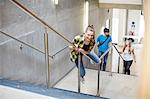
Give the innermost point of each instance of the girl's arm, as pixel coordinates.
(74, 42)
(78, 49)
(83, 51)
(134, 55)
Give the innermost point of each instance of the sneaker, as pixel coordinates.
(82, 80)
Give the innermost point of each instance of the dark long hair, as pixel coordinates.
(129, 47)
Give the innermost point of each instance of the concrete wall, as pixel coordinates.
(0, 16)
(66, 18)
(118, 25)
(94, 14)
(1, 5)
(27, 64)
(122, 26)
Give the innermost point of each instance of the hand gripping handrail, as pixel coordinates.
(6, 34)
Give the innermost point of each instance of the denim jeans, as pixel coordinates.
(93, 56)
(127, 65)
(104, 61)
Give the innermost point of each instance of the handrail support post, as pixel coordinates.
(47, 59)
(79, 66)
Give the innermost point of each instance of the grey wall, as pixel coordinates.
(27, 64)
(0, 16)
(94, 15)
(1, 6)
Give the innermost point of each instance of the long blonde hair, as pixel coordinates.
(90, 28)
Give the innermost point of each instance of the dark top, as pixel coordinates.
(86, 47)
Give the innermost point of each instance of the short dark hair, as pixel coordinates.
(106, 30)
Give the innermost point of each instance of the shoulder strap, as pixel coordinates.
(102, 42)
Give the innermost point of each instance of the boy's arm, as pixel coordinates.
(110, 42)
(98, 41)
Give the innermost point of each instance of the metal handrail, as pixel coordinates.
(46, 47)
(52, 56)
(98, 81)
(118, 57)
(33, 15)
(59, 51)
(117, 50)
(6, 34)
(105, 52)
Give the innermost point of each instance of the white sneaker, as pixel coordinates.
(82, 80)
(91, 61)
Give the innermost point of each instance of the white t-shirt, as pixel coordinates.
(127, 56)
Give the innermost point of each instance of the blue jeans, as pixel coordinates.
(104, 61)
(93, 56)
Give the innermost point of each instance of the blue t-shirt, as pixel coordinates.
(105, 46)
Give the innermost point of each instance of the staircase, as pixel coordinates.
(53, 93)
